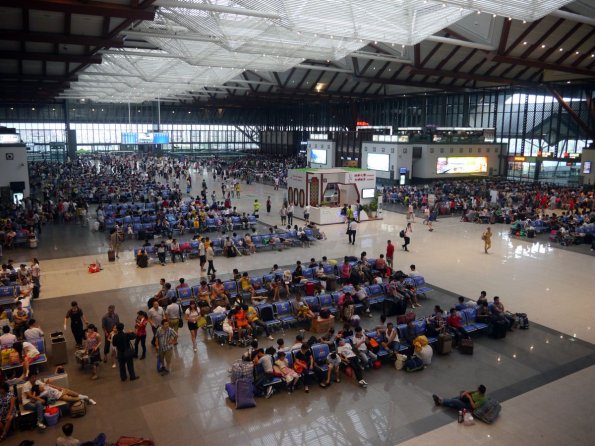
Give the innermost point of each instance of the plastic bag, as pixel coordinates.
(468, 419)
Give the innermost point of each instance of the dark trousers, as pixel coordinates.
(126, 364)
(140, 340)
(211, 268)
(174, 254)
(357, 368)
(161, 256)
(407, 241)
(290, 218)
(352, 236)
(106, 347)
(154, 329)
(261, 324)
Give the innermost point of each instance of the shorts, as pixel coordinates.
(202, 259)
(192, 325)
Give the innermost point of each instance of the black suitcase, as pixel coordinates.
(499, 329)
(466, 346)
(111, 255)
(394, 306)
(143, 261)
(444, 346)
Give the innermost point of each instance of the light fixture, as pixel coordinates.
(561, 49)
(567, 82)
(320, 86)
(494, 15)
(524, 21)
(577, 52)
(33, 108)
(524, 43)
(543, 46)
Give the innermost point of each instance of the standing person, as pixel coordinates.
(352, 231)
(407, 236)
(256, 207)
(210, 257)
(283, 215)
(269, 204)
(121, 341)
(77, 322)
(173, 313)
(290, 209)
(192, 315)
(487, 239)
(166, 339)
(108, 322)
(307, 214)
(410, 213)
(115, 242)
(92, 346)
(155, 316)
(35, 277)
(202, 255)
(390, 252)
(140, 331)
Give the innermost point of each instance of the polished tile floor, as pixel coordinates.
(553, 286)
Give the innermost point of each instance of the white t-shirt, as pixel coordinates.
(27, 389)
(33, 333)
(346, 351)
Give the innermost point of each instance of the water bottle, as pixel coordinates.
(460, 416)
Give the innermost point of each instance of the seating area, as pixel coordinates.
(7, 358)
(267, 242)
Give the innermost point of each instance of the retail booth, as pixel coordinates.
(328, 190)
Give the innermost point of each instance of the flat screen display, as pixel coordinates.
(402, 170)
(160, 138)
(145, 138)
(368, 193)
(318, 156)
(9, 138)
(587, 167)
(129, 138)
(378, 161)
(461, 165)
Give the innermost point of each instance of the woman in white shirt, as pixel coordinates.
(35, 272)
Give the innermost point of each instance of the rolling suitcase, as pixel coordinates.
(111, 255)
(444, 343)
(310, 289)
(466, 346)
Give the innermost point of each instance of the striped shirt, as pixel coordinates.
(164, 337)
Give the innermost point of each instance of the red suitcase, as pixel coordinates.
(310, 289)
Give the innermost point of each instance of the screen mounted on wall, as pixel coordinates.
(368, 193)
(461, 165)
(318, 156)
(378, 161)
(587, 167)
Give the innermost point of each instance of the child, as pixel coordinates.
(290, 376)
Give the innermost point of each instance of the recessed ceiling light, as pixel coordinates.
(524, 43)
(577, 52)
(543, 46)
(561, 49)
(567, 82)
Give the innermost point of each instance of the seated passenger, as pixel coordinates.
(246, 285)
(349, 358)
(290, 376)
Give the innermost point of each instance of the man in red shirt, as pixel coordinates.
(455, 325)
(390, 250)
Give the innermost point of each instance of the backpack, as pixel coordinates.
(402, 233)
(523, 321)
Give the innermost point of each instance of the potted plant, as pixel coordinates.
(373, 207)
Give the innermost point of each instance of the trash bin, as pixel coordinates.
(32, 242)
(59, 353)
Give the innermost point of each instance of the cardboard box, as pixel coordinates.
(322, 325)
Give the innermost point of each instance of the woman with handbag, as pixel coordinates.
(121, 341)
(92, 344)
(192, 316)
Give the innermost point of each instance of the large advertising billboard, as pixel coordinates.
(461, 165)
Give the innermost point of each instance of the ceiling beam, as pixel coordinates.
(574, 17)
(36, 77)
(521, 38)
(407, 83)
(88, 7)
(571, 112)
(60, 38)
(557, 45)
(539, 41)
(504, 36)
(543, 65)
(578, 44)
(459, 42)
(52, 57)
(473, 77)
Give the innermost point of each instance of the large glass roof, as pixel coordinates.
(209, 44)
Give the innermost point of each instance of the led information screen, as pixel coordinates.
(145, 138)
(462, 164)
(378, 161)
(368, 193)
(587, 167)
(318, 156)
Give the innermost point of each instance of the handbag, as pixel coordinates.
(180, 319)
(299, 366)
